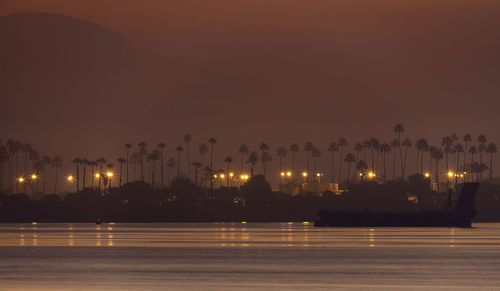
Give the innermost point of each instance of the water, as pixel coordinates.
(229, 256)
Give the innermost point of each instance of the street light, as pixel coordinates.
(20, 180)
(222, 176)
(282, 174)
(427, 175)
(70, 178)
(371, 174)
(34, 177)
(289, 174)
(109, 174)
(97, 175)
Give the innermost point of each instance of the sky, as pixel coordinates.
(295, 71)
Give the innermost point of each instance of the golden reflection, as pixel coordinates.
(110, 240)
(21, 240)
(35, 240)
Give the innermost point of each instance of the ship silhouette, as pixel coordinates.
(460, 216)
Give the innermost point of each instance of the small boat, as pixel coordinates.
(460, 216)
(98, 221)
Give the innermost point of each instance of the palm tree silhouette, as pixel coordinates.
(492, 149)
(333, 148)
(431, 150)
(467, 139)
(264, 148)
(482, 149)
(384, 149)
(358, 148)
(196, 166)
(374, 146)
(57, 162)
(421, 146)
(203, 149)
(127, 150)
(399, 129)
(243, 151)
(459, 148)
(394, 144)
(437, 155)
(361, 166)
(85, 163)
(447, 143)
(316, 153)
(100, 161)
(308, 148)
(121, 161)
(161, 146)
(187, 140)
(179, 149)
(281, 153)
(342, 142)
(349, 158)
(228, 160)
(142, 153)
(212, 141)
(253, 158)
(294, 149)
(77, 161)
(93, 164)
(170, 165)
(407, 144)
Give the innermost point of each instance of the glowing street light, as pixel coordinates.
(427, 175)
(371, 174)
(20, 180)
(289, 174)
(222, 176)
(34, 177)
(97, 175)
(450, 174)
(109, 174)
(231, 174)
(70, 178)
(215, 176)
(304, 174)
(282, 174)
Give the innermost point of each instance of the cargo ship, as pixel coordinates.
(460, 216)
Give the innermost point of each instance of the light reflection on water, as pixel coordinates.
(243, 235)
(230, 256)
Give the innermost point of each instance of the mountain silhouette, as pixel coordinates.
(59, 69)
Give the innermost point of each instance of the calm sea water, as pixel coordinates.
(229, 256)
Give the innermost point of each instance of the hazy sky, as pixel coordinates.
(314, 70)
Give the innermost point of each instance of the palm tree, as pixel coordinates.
(34, 157)
(349, 158)
(142, 153)
(399, 129)
(162, 147)
(394, 144)
(121, 161)
(361, 166)
(228, 160)
(407, 144)
(179, 149)
(100, 161)
(212, 141)
(316, 153)
(421, 146)
(431, 150)
(134, 160)
(308, 148)
(294, 149)
(253, 158)
(358, 148)
(385, 148)
(154, 157)
(57, 162)
(459, 148)
(467, 140)
(4, 158)
(26, 148)
(281, 153)
(85, 163)
(187, 140)
(243, 151)
(437, 155)
(264, 148)
(366, 146)
(127, 149)
(170, 165)
(93, 164)
(196, 166)
(77, 161)
(203, 149)
(342, 142)
(332, 148)
(492, 149)
(374, 146)
(482, 149)
(447, 143)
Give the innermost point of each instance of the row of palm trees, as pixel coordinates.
(460, 156)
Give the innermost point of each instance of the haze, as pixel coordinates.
(253, 71)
